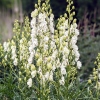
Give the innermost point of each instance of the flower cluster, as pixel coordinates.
(95, 77)
(52, 47)
(16, 51)
(42, 46)
(48, 53)
(13, 53)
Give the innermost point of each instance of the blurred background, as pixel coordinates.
(88, 19)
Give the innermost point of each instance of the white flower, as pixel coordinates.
(43, 24)
(99, 75)
(66, 33)
(76, 32)
(15, 61)
(5, 57)
(32, 54)
(62, 39)
(66, 51)
(13, 48)
(45, 47)
(77, 55)
(79, 64)
(53, 44)
(46, 38)
(30, 60)
(13, 56)
(5, 45)
(43, 27)
(65, 61)
(33, 22)
(29, 42)
(58, 63)
(33, 73)
(97, 85)
(63, 70)
(73, 29)
(46, 75)
(28, 65)
(13, 52)
(39, 30)
(34, 42)
(41, 17)
(29, 82)
(33, 31)
(51, 29)
(51, 17)
(54, 55)
(62, 28)
(49, 76)
(31, 48)
(62, 81)
(51, 26)
(75, 47)
(74, 25)
(73, 40)
(54, 68)
(21, 41)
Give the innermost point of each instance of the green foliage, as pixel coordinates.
(89, 47)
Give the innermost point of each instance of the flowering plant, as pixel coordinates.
(94, 80)
(44, 58)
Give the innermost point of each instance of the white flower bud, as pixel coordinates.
(34, 13)
(63, 70)
(79, 64)
(29, 82)
(33, 73)
(62, 81)
(6, 45)
(15, 61)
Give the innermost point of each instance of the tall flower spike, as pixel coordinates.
(66, 39)
(95, 77)
(41, 44)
